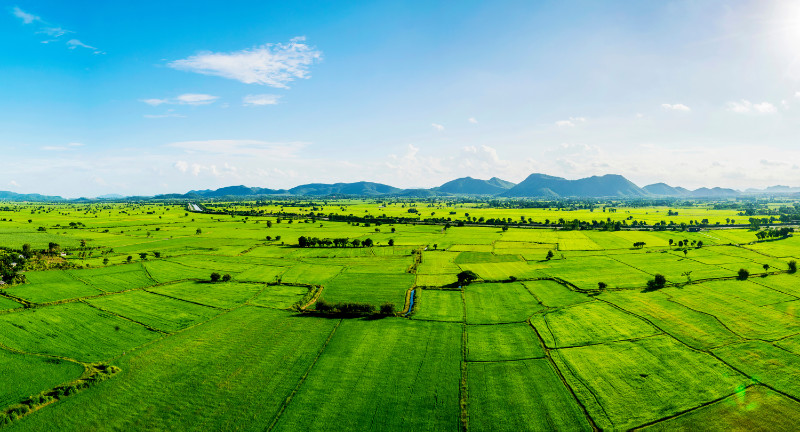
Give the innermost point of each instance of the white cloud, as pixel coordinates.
(260, 99)
(75, 144)
(26, 17)
(195, 99)
(437, 126)
(676, 107)
(571, 122)
(75, 43)
(13, 183)
(472, 120)
(275, 65)
(181, 166)
(797, 94)
(155, 102)
(745, 107)
(55, 148)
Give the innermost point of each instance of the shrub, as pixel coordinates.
(387, 309)
(226, 277)
(743, 274)
(656, 283)
(602, 285)
(792, 266)
(466, 276)
(215, 277)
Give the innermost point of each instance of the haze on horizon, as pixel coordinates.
(148, 98)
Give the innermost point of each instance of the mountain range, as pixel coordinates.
(534, 186)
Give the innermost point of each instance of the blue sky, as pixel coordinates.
(153, 97)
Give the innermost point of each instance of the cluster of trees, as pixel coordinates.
(304, 241)
(658, 282)
(772, 233)
(353, 308)
(639, 245)
(11, 262)
(687, 243)
(216, 277)
(466, 277)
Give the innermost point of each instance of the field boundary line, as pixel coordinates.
(189, 301)
(506, 360)
(302, 380)
(152, 329)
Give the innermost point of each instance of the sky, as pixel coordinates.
(149, 97)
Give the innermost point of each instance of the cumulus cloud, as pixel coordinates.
(472, 120)
(745, 107)
(155, 102)
(13, 183)
(437, 126)
(676, 107)
(260, 99)
(195, 99)
(274, 65)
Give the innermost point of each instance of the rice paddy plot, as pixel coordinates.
(167, 271)
(751, 290)
(280, 296)
(115, 278)
(589, 323)
(246, 361)
(520, 395)
(436, 280)
(754, 408)
(373, 288)
(495, 271)
(554, 294)
(390, 374)
(786, 283)
(484, 257)
(223, 295)
(671, 266)
(311, 273)
(438, 305)
(24, 375)
(217, 264)
(496, 303)
(785, 248)
(50, 286)
(502, 342)
(741, 316)
(438, 262)
(696, 329)
(764, 363)
(156, 311)
(7, 303)
(586, 272)
(627, 384)
(73, 330)
(261, 273)
(471, 248)
(791, 344)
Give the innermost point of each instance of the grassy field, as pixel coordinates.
(533, 344)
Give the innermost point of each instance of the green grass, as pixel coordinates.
(166, 271)
(6, 303)
(115, 278)
(232, 373)
(589, 323)
(374, 288)
(520, 395)
(50, 286)
(502, 342)
(484, 257)
(156, 311)
(554, 294)
(755, 408)
(280, 296)
(24, 375)
(223, 295)
(493, 303)
(376, 375)
(438, 305)
(765, 363)
(73, 330)
(626, 384)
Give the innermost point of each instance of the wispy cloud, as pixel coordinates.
(746, 107)
(54, 32)
(571, 122)
(184, 99)
(275, 65)
(27, 18)
(676, 107)
(472, 120)
(261, 100)
(167, 115)
(250, 148)
(437, 126)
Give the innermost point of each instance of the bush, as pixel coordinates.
(466, 276)
(215, 277)
(743, 274)
(226, 278)
(656, 283)
(602, 285)
(346, 308)
(792, 266)
(387, 309)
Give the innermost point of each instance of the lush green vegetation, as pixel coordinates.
(513, 326)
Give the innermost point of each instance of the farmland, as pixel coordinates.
(555, 329)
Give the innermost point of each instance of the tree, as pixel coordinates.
(26, 249)
(743, 274)
(199, 231)
(792, 266)
(766, 267)
(215, 277)
(391, 242)
(387, 309)
(157, 254)
(660, 280)
(129, 258)
(302, 242)
(466, 276)
(549, 255)
(393, 230)
(602, 285)
(367, 243)
(105, 261)
(83, 242)
(356, 242)
(226, 278)
(685, 252)
(143, 255)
